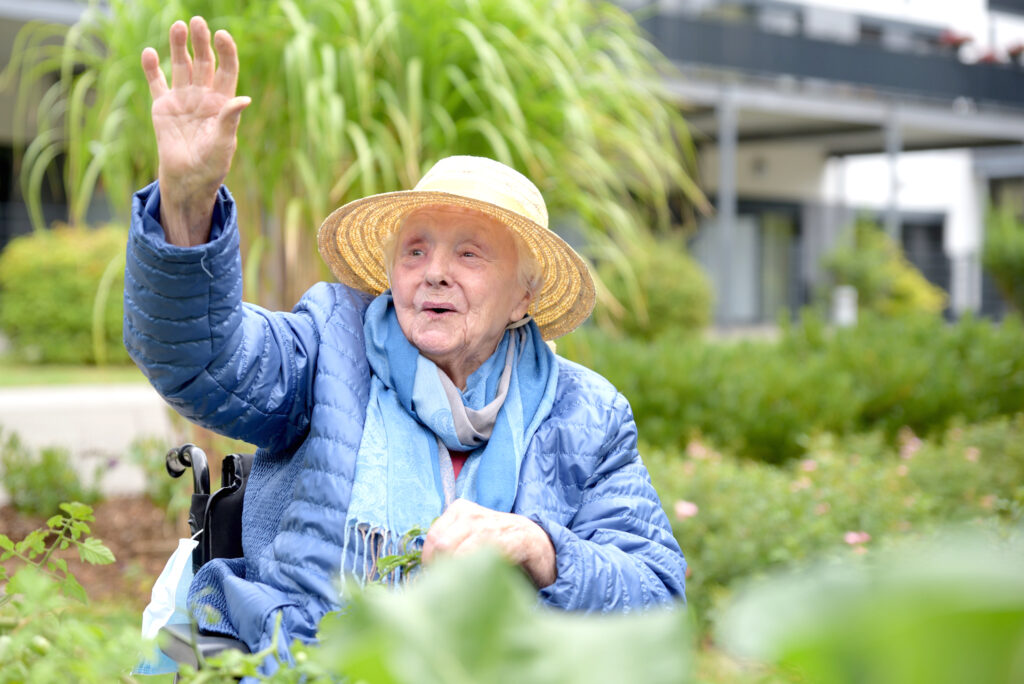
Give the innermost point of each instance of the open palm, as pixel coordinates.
(196, 118)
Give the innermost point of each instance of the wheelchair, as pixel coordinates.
(217, 520)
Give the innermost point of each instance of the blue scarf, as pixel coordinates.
(402, 465)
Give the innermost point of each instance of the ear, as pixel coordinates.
(521, 307)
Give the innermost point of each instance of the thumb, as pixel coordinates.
(230, 114)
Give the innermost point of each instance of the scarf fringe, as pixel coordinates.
(363, 547)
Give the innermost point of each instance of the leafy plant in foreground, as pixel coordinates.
(45, 636)
(946, 612)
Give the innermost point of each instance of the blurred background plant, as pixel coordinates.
(352, 99)
(171, 495)
(763, 399)
(945, 611)
(737, 519)
(37, 483)
(60, 295)
(886, 282)
(656, 288)
(1003, 254)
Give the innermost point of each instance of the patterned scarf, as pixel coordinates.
(415, 415)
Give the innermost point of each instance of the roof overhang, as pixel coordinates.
(855, 123)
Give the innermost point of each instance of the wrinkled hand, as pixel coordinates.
(466, 527)
(195, 121)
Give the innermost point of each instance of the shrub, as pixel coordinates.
(764, 399)
(38, 483)
(1003, 254)
(737, 519)
(944, 612)
(885, 281)
(60, 295)
(660, 288)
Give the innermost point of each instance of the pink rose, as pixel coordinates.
(855, 538)
(685, 509)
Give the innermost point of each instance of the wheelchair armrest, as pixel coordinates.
(176, 642)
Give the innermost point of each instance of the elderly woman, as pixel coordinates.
(418, 392)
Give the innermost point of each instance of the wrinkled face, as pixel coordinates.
(455, 286)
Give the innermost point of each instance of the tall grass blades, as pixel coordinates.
(361, 97)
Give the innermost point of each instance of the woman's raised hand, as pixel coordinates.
(195, 121)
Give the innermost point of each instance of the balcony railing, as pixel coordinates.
(743, 47)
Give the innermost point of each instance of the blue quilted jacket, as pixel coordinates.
(296, 385)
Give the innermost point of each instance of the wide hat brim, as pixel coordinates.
(350, 241)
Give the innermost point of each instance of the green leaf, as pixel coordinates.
(34, 543)
(78, 511)
(72, 589)
(5, 543)
(58, 565)
(93, 551)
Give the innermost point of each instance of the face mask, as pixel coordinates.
(170, 590)
(167, 604)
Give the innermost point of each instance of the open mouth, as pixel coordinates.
(431, 307)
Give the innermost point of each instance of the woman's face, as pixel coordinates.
(455, 286)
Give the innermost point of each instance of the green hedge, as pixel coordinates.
(764, 400)
(60, 295)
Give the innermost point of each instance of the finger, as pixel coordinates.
(231, 113)
(154, 74)
(202, 68)
(181, 63)
(225, 81)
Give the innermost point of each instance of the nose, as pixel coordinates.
(437, 273)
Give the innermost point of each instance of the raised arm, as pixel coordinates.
(195, 122)
(233, 367)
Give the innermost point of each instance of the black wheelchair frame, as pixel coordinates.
(215, 519)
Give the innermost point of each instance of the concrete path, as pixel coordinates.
(95, 423)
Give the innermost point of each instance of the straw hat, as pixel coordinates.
(350, 239)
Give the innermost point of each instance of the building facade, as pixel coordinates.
(810, 113)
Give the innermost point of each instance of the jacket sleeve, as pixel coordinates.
(235, 368)
(617, 552)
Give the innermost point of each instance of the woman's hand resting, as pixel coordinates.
(195, 121)
(467, 526)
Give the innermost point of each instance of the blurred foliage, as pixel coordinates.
(419, 635)
(736, 519)
(1003, 254)
(886, 283)
(947, 612)
(38, 482)
(45, 636)
(171, 495)
(764, 399)
(658, 288)
(356, 98)
(60, 295)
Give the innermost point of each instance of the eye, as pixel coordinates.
(468, 253)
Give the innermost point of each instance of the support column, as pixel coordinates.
(726, 209)
(893, 147)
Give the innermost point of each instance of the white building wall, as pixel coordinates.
(790, 172)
